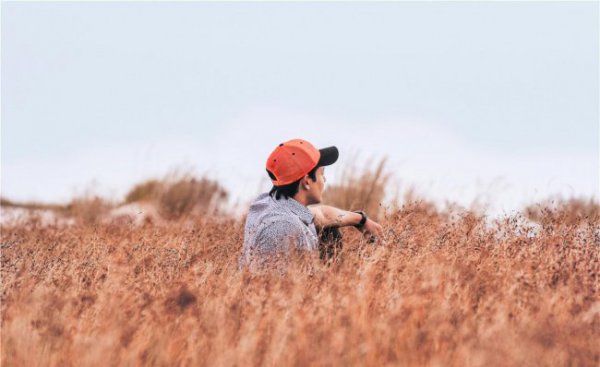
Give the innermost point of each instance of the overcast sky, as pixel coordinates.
(496, 101)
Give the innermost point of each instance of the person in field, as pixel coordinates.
(290, 215)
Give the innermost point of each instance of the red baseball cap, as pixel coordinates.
(294, 159)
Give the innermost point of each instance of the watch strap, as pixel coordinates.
(363, 220)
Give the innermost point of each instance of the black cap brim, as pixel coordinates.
(329, 156)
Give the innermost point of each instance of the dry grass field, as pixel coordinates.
(446, 288)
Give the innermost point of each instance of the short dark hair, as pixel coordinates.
(289, 190)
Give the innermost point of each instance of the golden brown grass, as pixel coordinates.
(360, 188)
(176, 196)
(180, 195)
(569, 212)
(88, 209)
(447, 289)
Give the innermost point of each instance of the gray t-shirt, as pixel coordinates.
(272, 226)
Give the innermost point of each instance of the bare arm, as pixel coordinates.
(329, 216)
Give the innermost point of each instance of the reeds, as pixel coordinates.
(180, 195)
(360, 188)
(447, 288)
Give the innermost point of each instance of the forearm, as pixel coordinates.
(329, 216)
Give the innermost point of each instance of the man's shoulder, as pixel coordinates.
(266, 208)
(262, 197)
(269, 221)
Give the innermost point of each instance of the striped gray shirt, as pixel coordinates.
(273, 225)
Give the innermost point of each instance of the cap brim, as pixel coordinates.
(329, 156)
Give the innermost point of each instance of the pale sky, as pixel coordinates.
(496, 101)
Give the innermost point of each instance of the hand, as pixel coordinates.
(372, 229)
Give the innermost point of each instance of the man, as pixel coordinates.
(288, 216)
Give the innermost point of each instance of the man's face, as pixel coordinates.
(315, 190)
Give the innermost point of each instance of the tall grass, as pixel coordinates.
(360, 188)
(89, 209)
(559, 210)
(180, 195)
(447, 288)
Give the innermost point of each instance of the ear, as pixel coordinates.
(304, 182)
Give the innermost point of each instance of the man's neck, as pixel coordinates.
(302, 199)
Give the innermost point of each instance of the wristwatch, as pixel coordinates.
(363, 220)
